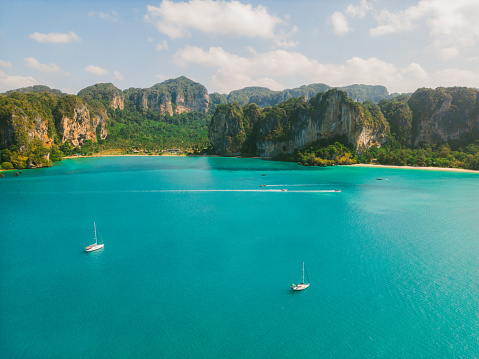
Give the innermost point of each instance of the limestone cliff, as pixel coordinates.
(18, 128)
(444, 114)
(171, 97)
(79, 125)
(226, 131)
(27, 119)
(294, 124)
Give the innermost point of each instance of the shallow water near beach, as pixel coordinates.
(198, 261)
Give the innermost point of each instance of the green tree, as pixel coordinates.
(7, 166)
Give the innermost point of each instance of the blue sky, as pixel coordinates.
(228, 45)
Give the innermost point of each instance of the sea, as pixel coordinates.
(198, 260)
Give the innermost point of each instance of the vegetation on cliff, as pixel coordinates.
(450, 110)
(167, 96)
(428, 128)
(453, 111)
(32, 127)
(277, 129)
(36, 89)
(245, 125)
(100, 95)
(399, 116)
(19, 115)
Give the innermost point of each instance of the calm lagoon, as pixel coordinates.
(198, 261)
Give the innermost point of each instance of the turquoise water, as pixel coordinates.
(198, 261)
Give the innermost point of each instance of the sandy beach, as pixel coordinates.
(419, 168)
(113, 155)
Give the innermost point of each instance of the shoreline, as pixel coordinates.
(446, 169)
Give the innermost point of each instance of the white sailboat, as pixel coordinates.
(301, 286)
(95, 246)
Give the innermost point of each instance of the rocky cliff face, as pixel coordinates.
(117, 101)
(81, 126)
(331, 114)
(444, 114)
(27, 118)
(294, 125)
(18, 128)
(226, 132)
(171, 97)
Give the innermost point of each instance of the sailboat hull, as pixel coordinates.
(299, 287)
(94, 247)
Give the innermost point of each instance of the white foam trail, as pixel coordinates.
(318, 191)
(291, 185)
(196, 191)
(232, 190)
(214, 190)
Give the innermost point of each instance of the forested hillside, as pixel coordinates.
(311, 124)
(438, 128)
(38, 127)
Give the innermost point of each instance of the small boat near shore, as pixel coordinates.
(95, 246)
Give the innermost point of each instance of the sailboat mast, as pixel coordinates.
(96, 241)
(303, 273)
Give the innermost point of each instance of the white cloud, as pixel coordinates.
(118, 76)
(282, 38)
(14, 82)
(400, 21)
(5, 64)
(96, 70)
(275, 63)
(55, 37)
(449, 52)
(452, 24)
(340, 23)
(236, 72)
(162, 46)
(269, 68)
(35, 64)
(176, 19)
(359, 10)
(114, 16)
(453, 77)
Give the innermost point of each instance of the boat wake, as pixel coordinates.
(291, 185)
(239, 190)
(282, 190)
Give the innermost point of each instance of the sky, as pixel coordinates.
(228, 45)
